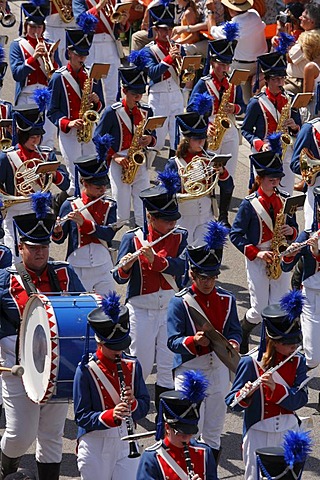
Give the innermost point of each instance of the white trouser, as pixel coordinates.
(27, 421)
(167, 104)
(101, 454)
(71, 150)
(213, 408)
(122, 192)
(266, 433)
(310, 323)
(97, 279)
(55, 30)
(26, 97)
(229, 144)
(18, 209)
(148, 331)
(194, 216)
(287, 182)
(309, 205)
(104, 50)
(262, 290)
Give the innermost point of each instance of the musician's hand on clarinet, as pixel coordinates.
(201, 340)
(148, 253)
(129, 397)
(265, 256)
(267, 380)
(145, 140)
(121, 411)
(78, 123)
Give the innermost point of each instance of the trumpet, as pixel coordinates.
(7, 18)
(48, 65)
(178, 60)
(256, 384)
(133, 450)
(115, 17)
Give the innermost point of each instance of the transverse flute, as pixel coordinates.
(258, 381)
(138, 252)
(291, 250)
(81, 209)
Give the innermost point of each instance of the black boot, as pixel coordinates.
(217, 454)
(297, 274)
(224, 205)
(8, 465)
(247, 327)
(172, 153)
(48, 471)
(57, 201)
(157, 392)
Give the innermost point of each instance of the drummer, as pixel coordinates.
(27, 421)
(191, 347)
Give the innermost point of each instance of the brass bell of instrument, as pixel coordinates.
(309, 166)
(27, 180)
(7, 19)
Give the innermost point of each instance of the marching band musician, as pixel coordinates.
(220, 54)
(191, 348)
(179, 455)
(252, 232)
(68, 94)
(109, 392)
(165, 96)
(5, 107)
(308, 138)
(31, 62)
(27, 421)
(23, 159)
(270, 111)
(106, 47)
(269, 409)
(152, 278)
(89, 231)
(306, 248)
(123, 120)
(196, 210)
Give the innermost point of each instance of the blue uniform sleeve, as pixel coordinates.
(253, 127)
(200, 87)
(239, 100)
(287, 266)
(177, 321)
(245, 373)
(296, 398)
(241, 226)
(20, 69)
(108, 123)
(155, 68)
(149, 468)
(55, 111)
(141, 394)
(75, 283)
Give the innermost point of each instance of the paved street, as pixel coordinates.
(233, 278)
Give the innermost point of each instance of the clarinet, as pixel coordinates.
(189, 463)
(133, 451)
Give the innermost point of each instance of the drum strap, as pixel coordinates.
(26, 279)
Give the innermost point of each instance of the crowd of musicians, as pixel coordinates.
(77, 150)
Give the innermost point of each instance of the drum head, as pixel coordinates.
(39, 348)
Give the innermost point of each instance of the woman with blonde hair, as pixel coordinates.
(310, 45)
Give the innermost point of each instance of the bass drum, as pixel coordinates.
(52, 342)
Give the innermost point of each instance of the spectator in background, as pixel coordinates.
(310, 22)
(251, 41)
(311, 71)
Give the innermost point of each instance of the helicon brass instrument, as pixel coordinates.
(221, 122)
(7, 18)
(27, 180)
(198, 179)
(133, 450)
(48, 65)
(309, 166)
(284, 116)
(87, 114)
(64, 8)
(278, 245)
(136, 155)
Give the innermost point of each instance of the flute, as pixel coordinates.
(81, 209)
(133, 451)
(291, 250)
(138, 252)
(258, 382)
(190, 470)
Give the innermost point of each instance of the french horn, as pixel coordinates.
(198, 179)
(27, 180)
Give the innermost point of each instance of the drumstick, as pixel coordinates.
(17, 370)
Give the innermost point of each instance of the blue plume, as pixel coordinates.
(292, 304)
(42, 97)
(297, 446)
(231, 31)
(202, 103)
(111, 305)
(165, 3)
(38, 3)
(41, 203)
(102, 144)
(170, 180)
(139, 58)
(274, 140)
(216, 236)
(87, 22)
(194, 386)
(2, 54)
(285, 43)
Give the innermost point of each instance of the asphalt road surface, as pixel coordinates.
(233, 278)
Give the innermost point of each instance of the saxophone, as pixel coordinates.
(89, 116)
(278, 245)
(284, 116)
(221, 122)
(135, 155)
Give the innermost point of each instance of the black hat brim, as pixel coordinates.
(169, 218)
(121, 345)
(186, 428)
